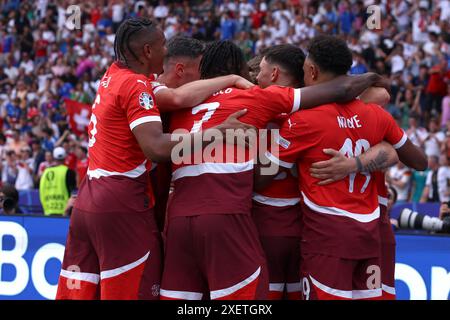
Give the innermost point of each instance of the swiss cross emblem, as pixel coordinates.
(146, 101)
(82, 119)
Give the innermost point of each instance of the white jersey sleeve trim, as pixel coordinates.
(159, 88)
(360, 217)
(142, 120)
(297, 100)
(136, 172)
(281, 163)
(402, 141)
(275, 202)
(217, 168)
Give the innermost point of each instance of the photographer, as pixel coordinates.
(409, 219)
(9, 198)
(444, 211)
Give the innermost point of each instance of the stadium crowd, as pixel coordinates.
(48, 57)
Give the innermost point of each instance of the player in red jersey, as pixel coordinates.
(212, 248)
(340, 233)
(276, 209)
(387, 240)
(113, 248)
(181, 66)
(339, 166)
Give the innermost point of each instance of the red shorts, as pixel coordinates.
(283, 261)
(330, 278)
(213, 257)
(387, 256)
(111, 256)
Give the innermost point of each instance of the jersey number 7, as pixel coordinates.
(211, 107)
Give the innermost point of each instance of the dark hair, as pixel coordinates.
(221, 58)
(128, 30)
(331, 54)
(48, 131)
(181, 46)
(288, 57)
(2, 136)
(10, 192)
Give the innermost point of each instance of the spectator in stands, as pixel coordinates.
(406, 105)
(16, 143)
(446, 108)
(2, 146)
(9, 168)
(359, 65)
(443, 178)
(9, 199)
(437, 86)
(49, 140)
(38, 154)
(431, 190)
(56, 185)
(47, 163)
(434, 139)
(399, 177)
(416, 134)
(25, 164)
(418, 184)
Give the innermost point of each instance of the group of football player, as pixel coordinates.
(305, 220)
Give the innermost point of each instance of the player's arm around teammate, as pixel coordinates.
(194, 93)
(341, 89)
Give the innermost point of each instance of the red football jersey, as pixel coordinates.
(346, 223)
(116, 179)
(379, 177)
(275, 208)
(218, 186)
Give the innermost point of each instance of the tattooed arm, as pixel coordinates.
(377, 158)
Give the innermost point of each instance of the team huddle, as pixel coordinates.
(306, 219)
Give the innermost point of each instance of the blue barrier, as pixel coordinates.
(429, 208)
(29, 202)
(32, 248)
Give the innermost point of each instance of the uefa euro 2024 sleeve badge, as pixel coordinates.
(146, 100)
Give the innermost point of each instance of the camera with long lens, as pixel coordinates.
(409, 219)
(8, 204)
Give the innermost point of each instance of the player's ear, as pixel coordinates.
(274, 75)
(314, 71)
(147, 51)
(179, 69)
